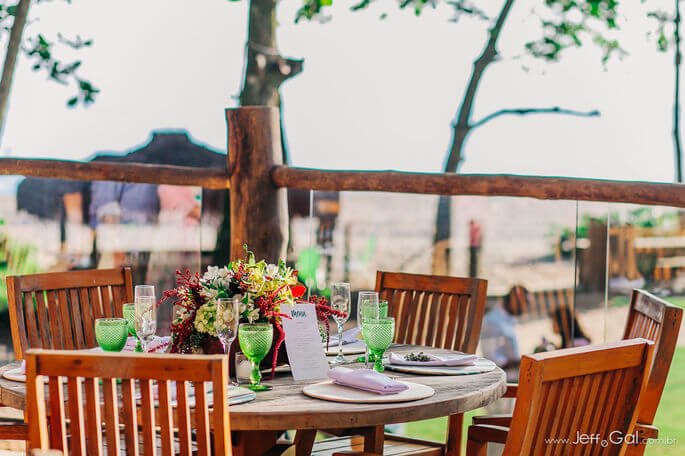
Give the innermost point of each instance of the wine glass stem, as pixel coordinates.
(340, 340)
(378, 365)
(255, 375)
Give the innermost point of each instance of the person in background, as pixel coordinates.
(475, 242)
(123, 203)
(498, 336)
(499, 343)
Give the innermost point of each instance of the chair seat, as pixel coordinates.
(392, 447)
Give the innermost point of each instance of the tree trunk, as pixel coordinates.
(460, 131)
(13, 46)
(266, 69)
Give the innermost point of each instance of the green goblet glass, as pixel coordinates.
(255, 341)
(378, 334)
(111, 333)
(129, 312)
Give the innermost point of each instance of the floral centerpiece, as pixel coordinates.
(262, 288)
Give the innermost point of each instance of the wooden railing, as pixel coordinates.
(120, 172)
(256, 175)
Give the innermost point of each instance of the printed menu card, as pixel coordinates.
(303, 342)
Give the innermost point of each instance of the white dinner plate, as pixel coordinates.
(481, 366)
(330, 391)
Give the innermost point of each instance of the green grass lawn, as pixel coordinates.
(670, 418)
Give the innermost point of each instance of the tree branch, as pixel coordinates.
(20, 15)
(526, 111)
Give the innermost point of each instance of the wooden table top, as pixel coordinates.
(286, 407)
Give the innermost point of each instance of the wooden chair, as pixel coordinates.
(591, 390)
(649, 318)
(436, 311)
(58, 310)
(93, 399)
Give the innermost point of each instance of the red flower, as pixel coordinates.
(298, 290)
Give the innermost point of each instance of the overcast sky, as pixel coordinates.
(374, 94)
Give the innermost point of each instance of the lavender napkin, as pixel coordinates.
(435, 360)
(348, 337)
(367, 380)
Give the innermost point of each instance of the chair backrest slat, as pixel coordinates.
(58, 310)
(183, 425)
(591, 390)
(97, 408)
(93, 416)
(438, 311)
(111, 407)
(202, 419)
(654, 319)
(130, 417)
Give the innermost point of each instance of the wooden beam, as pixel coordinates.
(548, 188)
(259, 209)
(116, 171)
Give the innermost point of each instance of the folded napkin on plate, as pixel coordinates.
(367, 380)
(435, 360)
(348, 337)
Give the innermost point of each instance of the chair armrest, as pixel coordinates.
(512, 390)
(646, 431)
(503, 420)
(488, 433)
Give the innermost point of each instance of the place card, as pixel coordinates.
(303, 342)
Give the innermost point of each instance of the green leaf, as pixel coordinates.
(72, 101)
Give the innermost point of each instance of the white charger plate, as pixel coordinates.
(330, 391)
(481, 366)
(16, 375)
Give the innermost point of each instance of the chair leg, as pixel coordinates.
(304, 441)
(476, 448)
(455, 429)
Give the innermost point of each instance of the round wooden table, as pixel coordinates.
(286, 407)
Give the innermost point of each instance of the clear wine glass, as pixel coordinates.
(146, 314)
(367, 307)
(340, 301)
(227, 317)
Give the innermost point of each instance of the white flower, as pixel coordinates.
(253, 315)
(271, 270)
(209, 294)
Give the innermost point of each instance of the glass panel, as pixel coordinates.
(647, 251)
(154, 229)
(523, 247)
(589, 323)
(57, 225)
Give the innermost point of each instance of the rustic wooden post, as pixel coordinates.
(259, 211)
